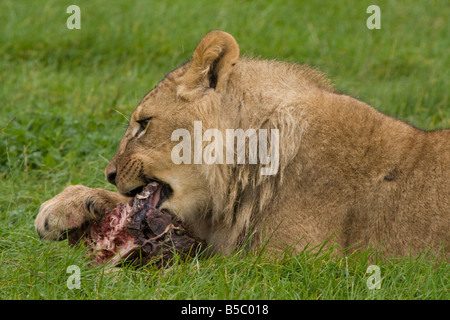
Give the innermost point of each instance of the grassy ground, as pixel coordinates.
(63, 93)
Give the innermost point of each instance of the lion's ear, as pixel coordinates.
(211, 64)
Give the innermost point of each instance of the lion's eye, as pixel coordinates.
(142, 125)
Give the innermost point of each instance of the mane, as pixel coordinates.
(240, 194)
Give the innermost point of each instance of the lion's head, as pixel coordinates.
(187, 94)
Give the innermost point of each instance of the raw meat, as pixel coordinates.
(138, 233)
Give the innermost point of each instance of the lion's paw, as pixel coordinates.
(65, 212)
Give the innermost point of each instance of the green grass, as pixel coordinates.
(63, 94)
(42, 275)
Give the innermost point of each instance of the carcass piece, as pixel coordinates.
(138, 233)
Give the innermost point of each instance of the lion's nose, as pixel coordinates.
(111, 173)
(111, 176)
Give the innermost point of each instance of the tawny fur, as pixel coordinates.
(346, 171)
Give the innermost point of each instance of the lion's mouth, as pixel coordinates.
(162, 193)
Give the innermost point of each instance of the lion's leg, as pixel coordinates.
(72, 207)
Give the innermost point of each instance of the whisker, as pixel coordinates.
(158, 145)
(128, 120)
(106, 160)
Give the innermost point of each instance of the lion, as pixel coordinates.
(346, 171)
